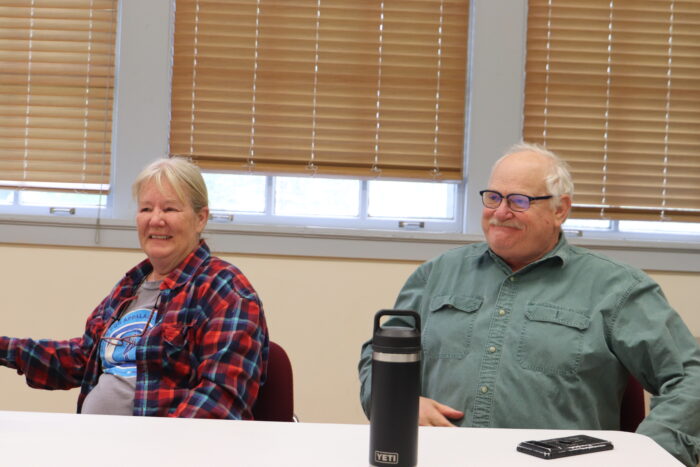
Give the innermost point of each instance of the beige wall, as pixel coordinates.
(320, 310)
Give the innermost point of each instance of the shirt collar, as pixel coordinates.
(178, 276)
(560, 252)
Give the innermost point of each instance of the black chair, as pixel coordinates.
(276, 397)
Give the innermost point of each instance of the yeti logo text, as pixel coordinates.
(386, 457)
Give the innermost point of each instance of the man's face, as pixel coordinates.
(520, 238)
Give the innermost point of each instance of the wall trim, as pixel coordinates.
(680, 256)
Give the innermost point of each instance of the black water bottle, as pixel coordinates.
(396, 356)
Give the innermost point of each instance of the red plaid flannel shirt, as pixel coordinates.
(206, 357)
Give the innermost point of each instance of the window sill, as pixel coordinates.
(326, 242)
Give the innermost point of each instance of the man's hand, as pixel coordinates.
(431, 413)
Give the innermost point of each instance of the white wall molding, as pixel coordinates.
(681, 256)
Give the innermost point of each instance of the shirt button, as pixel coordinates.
(512, 279)
(492, 349)
(501, 312)
(484, 389)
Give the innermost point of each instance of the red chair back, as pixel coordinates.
(276, 397)
(632, 411)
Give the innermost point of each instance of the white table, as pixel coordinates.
(56, 440)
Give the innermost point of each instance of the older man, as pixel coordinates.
(527, 331)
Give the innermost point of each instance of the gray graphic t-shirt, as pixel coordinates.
(114, 393)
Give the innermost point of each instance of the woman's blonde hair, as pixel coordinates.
(183, 175)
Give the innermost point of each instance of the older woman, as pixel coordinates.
(181, 335)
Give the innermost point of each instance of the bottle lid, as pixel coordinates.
(396, 339)
(399, 336)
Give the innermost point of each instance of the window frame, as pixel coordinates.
(362, 221)
(494, 122)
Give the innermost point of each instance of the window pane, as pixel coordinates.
(61, 199)
(682, 228)
(236, 192)
(411, 199)
(587, 224)
(6, 196)
(315, 196)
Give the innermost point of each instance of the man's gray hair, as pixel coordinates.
(183, 175)
(559, 181)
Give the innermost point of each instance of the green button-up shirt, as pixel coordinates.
(551, 345)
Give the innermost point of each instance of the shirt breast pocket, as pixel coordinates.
(174, 335)
(552, 339)
(177, 360)
(448, 328)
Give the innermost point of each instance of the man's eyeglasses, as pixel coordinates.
(516, 202)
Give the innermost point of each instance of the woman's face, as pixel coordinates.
(168, 228)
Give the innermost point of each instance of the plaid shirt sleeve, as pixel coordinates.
(52, 364)
(207, 359)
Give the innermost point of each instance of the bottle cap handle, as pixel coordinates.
(381, 313)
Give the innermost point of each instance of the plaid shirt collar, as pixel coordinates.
(178, 276)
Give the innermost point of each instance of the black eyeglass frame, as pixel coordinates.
(134, 339)
(511, 205)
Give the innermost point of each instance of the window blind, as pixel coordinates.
(613, 86)
(56, 86)
(361, 88)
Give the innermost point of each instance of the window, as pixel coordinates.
(400, 199)
(319, 89)
(141, 133)
(236, 193)
(325, 197)
(612, 87)
(56, 102)
(333, 202)
(6, 197)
